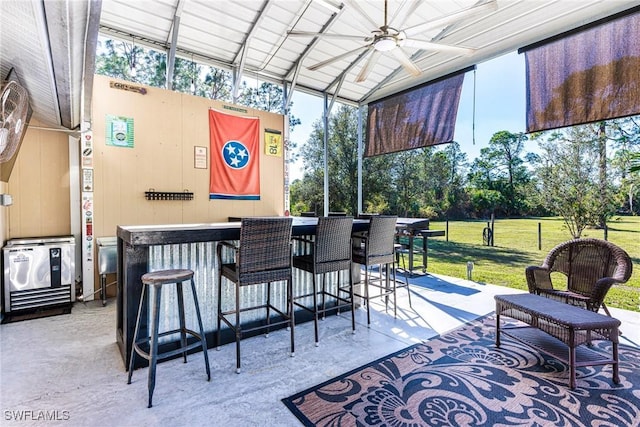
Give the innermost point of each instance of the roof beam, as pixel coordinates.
(238, 71)
(171, 54)
(294, 81)
(295, 70)
(91, 42)
(338, 80)
(332, 19)
(336, 92)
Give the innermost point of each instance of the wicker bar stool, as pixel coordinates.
(378, 248)
(262, 256)
(157, 280)
(330, 251)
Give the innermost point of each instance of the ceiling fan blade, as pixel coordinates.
(336, 58)
(366, 68)
(423, 44)
(327, 35)
(406, 62)
(447, 19)
(354, 4)
(403, 13)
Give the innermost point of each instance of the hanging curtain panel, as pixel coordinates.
(587, 76)
(416, 118)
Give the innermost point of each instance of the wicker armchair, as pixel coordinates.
(590, 266)
(262, 256)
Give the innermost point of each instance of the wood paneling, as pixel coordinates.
(167, 127)
(39, 184)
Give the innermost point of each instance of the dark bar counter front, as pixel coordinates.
(135, 244)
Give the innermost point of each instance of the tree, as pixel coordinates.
(568, 177)
(342, 161)
(268, 97)
(501, 168)
(409, 197)
(343, 169)
(116, 59)
(626, 136)
(450, 165)
(216, 85)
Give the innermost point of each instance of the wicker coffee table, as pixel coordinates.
(559, 330)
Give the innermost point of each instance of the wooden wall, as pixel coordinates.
(39, 185)
(167, 127)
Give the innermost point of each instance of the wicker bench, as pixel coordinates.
(555, 327)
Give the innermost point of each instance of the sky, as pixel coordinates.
(499, 99)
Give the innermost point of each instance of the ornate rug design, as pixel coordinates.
(462, 379)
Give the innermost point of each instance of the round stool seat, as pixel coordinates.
(166, 276)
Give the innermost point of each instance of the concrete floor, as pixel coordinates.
(67, 369)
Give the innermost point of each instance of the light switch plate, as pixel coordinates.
(6, 200)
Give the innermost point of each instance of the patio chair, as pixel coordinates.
(589, 266)
(263, 255)
(378, 248)
(330, 251)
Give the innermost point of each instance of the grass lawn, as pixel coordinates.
(516, 247)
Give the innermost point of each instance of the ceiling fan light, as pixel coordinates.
(385, 44)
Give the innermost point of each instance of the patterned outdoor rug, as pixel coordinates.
(462, 379)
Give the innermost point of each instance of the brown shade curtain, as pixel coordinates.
(415, 118)
(584, 77)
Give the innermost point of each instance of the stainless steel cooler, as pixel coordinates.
(38, 273)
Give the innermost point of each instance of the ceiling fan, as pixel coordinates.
(386, 38)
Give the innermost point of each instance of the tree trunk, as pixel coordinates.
(602, 154)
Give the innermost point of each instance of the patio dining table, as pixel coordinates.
(138, 246)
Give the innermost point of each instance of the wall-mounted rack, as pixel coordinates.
(168, 195)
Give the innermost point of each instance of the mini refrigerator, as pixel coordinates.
(39, 273)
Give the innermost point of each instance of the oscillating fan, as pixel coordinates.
(15, 103)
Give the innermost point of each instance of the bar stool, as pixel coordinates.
(330, 251)
(399, 249)
(377, 248)
(263, 256)
(157, 280)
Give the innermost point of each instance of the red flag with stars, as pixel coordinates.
(235, 156)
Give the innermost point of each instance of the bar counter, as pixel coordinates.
(151, 247)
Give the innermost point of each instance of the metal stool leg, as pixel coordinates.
(103, 289)
(183, 327)
(315, 307)
(136, 333)
(238, 330)
(219, 309)
(366, 294)
(203, 340)
(290, 313)
(153, 350)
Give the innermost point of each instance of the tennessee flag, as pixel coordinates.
(235, 156)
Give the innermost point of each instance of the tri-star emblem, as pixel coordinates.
(235, 154)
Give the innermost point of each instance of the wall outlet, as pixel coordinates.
(6, 200)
